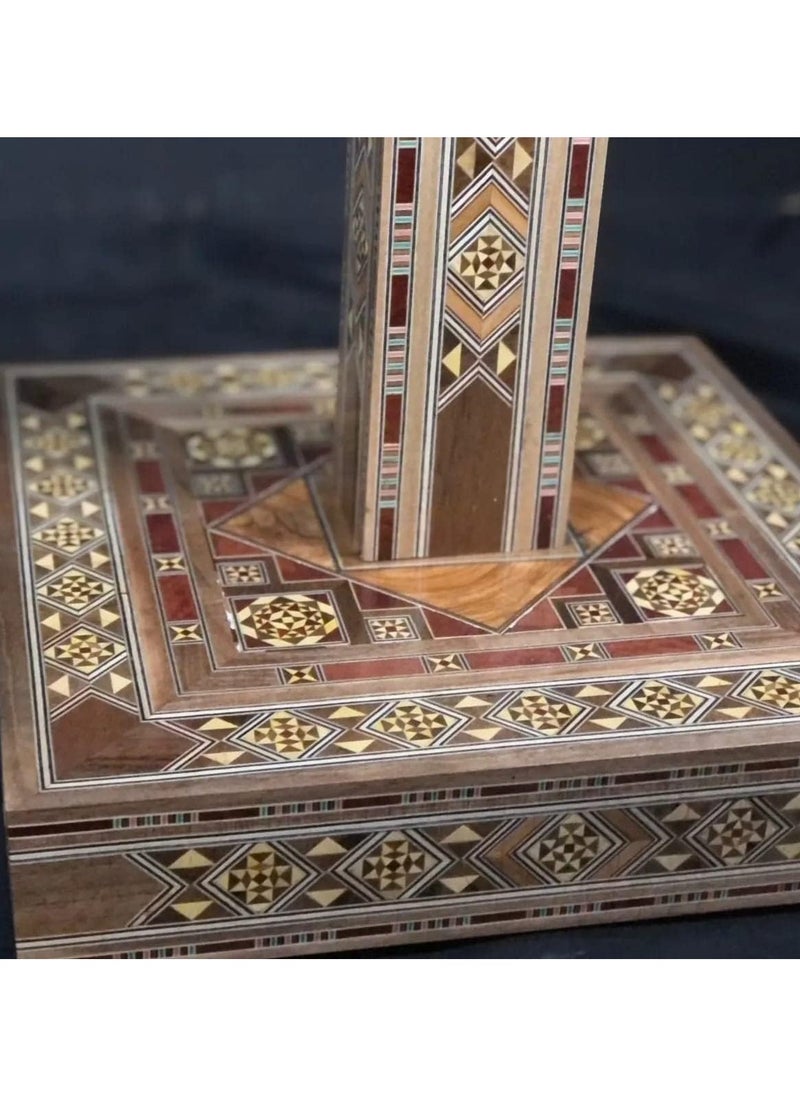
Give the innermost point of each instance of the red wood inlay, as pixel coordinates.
(657, 449)
(162, 533)
(151, 481)
(660, 645)
(743, 559)
(524, 656)
(542, 616)
(177, 598)
(385, 667)
(698, 501)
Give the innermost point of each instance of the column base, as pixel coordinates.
(226, 736)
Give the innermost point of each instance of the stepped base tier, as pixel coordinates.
(224, 735)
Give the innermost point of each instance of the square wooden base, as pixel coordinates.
(223, 737)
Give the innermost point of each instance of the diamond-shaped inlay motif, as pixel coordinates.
(674, 592)
(76, 589)
(738, 447)
(777, 492)
(67, 534)
(664, 701)
(394, 865)
(288, 734)
(736, 832)
(702, 410)
(487, 262)
(259, 878)
(231, 447)
(545, 714)
(413, 721)
(568, 848)
(774, 689)
(85, 650)
(289, 620)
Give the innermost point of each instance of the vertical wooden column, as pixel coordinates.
(467, 279)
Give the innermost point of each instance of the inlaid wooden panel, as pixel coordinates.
(225, 733)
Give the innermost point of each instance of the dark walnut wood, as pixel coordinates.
(224, 734)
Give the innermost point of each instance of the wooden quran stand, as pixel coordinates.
(489, 646)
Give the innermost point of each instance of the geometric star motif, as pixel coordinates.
(67, 534)
(414, 721)
(735, 833)
(85, 650)
(61, 485)
(549, 715)
(587, 613)
(259, 878)
(242, 574)
(567, 848)
(301, 675)
(76, 590)
(486, 262)
(386, 629)
(767, 590)
(582, 651)
(674, 592)
(287, 733)
(289, 620)
(170, 563)
(438, 664)
(231, 447)
(718, 640)
(774, 689)
(393, 866)
(663, 701)
(670, 544)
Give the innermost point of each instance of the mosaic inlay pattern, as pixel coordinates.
(564, 854)
(231, 447)
(390, 676)
(675, 592)
(289, 620)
